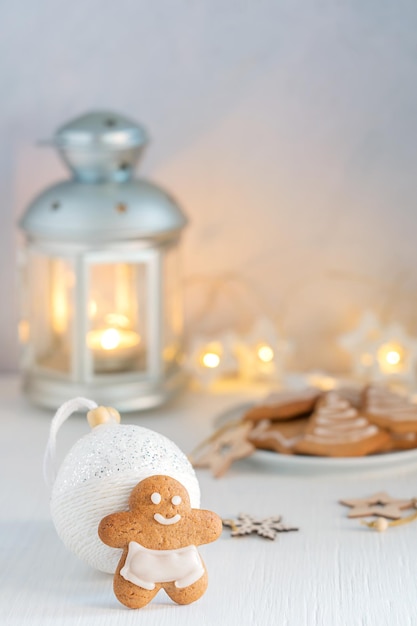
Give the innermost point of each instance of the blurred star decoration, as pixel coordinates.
(212, 358)
(262, 352)
(381, 353)
(256, 356)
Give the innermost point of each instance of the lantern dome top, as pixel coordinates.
(102, 202)
(73, 211)
(101, 128)
(101, 145)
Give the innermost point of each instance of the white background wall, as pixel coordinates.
(287, 129)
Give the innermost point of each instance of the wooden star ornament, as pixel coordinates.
(225, 447)
(380, 504)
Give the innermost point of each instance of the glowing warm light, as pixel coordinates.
(92, 308)
(114, 349)
(117, 319)
(60, 312)
(265, 353)
(112, 339)
(391, 357)
(211, 359)
(62, 282)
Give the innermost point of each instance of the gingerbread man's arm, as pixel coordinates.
(117, 529)
(206, 526)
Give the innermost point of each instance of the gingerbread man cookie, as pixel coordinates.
(159, 535)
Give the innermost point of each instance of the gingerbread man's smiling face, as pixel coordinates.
(160, 501)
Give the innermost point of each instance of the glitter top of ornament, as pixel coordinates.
(113, 449)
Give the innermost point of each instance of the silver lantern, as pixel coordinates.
(102, 307)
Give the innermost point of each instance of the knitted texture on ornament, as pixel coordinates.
(77, 514)
(97, 476)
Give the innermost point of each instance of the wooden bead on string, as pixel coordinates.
(102, 415)
(382, 524)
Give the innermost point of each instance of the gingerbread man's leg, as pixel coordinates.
(130, 594)
(186, 595)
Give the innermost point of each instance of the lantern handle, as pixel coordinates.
(62, 414)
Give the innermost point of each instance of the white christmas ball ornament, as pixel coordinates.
(96, 479)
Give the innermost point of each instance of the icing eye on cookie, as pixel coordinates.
(176, 500)
(156, 497)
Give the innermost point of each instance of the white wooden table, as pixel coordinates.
(332, 572)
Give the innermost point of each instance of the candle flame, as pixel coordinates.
(110, 339)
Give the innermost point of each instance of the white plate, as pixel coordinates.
(402, 459)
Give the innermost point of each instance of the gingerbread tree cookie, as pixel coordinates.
(159, 535)
(339, 430)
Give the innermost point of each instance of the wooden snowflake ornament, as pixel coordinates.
(248, 525)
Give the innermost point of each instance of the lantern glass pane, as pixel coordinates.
(173, 308)
(117, 317)
(50, 312)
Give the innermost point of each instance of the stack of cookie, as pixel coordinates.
(341, 423)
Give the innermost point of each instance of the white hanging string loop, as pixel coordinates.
(62, 414)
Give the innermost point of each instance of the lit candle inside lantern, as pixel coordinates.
(392, 358)
(113, 348)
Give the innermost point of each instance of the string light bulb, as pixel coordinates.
(265, 353)
(381, 353)
(391, 357)
(210, 359)
(262, 352)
